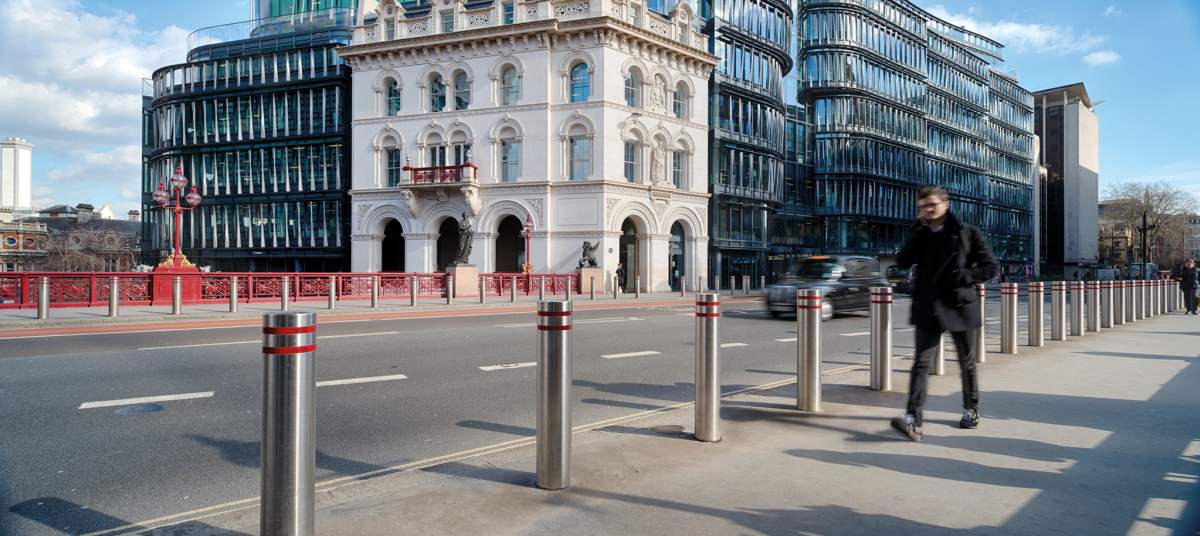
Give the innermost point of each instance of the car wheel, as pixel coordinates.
(827, 310)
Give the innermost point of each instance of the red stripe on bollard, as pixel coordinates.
(554, 328)
(289, 330)
(708, 303)
(554, 313)
(708, 315)
(289, 350)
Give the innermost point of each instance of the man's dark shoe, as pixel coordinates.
(907, 425)
(970, 419)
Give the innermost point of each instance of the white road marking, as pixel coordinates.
(905, 330)
(630, 354)
(587, 321)
(793, 339)
(144, 400)
(198, 345)
(368, 379)
(490, 368)
(856, 334)
(992, 322)
(733, 345)
(349, 335)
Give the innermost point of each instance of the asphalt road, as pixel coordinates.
(80, 454)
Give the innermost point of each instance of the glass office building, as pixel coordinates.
(258, 117)
(893, 99)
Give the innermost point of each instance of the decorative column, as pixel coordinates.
(366, 252)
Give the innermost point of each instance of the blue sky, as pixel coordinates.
(70, 79)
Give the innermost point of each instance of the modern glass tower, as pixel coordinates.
(258, 118)
(898, 98)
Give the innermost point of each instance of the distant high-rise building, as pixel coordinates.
(16, 174)
(1070, 136)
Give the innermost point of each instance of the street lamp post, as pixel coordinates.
(162, 196)
(527, 232)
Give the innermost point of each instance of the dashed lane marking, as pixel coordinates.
(507, 366)
(733, 345)
(144, 400)
(792, 339)
(856, 334)
(630, 354)
(319, 338)
(585, 321)
(368, 379)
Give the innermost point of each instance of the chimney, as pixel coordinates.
(135, 215)
(84, 213)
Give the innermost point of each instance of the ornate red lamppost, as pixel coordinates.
(162, 197)
(527, 232)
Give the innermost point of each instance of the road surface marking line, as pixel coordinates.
(630, 354)
(793, 339)
(587, 321)
(349, 335)
(506, 366)
(368, 379)
(905, 330)
(856, 334)
(144, 400)
(733, 345)
(197, 345)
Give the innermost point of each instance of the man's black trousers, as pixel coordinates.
(927, 339)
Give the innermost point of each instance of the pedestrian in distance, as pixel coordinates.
(1189, 284)
(953, 257)
(621, 276)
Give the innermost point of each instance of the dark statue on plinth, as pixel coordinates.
(588, 258)
(465, 238)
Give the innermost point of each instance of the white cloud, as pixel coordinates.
(1023, 37)
(1101, 57)
(71, 84)
(1112, 11)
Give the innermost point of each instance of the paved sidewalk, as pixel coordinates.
(1094, 436)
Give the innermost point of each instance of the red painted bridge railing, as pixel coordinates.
(498, 284)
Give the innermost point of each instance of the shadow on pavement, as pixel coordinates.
(247, 454)
(497, 427)
(1139, 356)
(489, 473)
(67, 517)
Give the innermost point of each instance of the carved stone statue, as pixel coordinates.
(657, 162)
(588, 258)
(465, 238)
(660, 94)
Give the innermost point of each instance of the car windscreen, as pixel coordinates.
(816, 269)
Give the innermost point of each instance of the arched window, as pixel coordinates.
(510, 156)
(633, 88)
(678, 167)
(437, 93)
(437, 150)
(581, 82)
(461, 148)
(395, 167)
(510, 86)
(679, 100)
(392, 97)
(579, 152)
(631, 160)
(462, 91)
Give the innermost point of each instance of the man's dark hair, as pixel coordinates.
(927, 191)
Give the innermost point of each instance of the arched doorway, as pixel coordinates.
(630, 254)
(393, 248)
(447, 243)
(677, 253)
(510, 245)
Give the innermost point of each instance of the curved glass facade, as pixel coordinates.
(755, 41)
(260, 126)
(899, 99)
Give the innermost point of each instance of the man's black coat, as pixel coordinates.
(950, 263)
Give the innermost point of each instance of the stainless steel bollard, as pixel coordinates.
(567, 290)
(374, 292)
(1008, 318)
(682, 286)
(616, 286)
(1092, 301)
(1151, 298)
(592, 288)
(1106, 304)
(114, 297)
(541, 288)
(708, 383)
(177, 296)
(1058, 310)
(554, 395)
(482, 291)
(637, 286)
(981, 333)
(1118, 303)
(1162, 297)
(1146, 299)
(450, 290)
(233, 294)
(1077, 308)
(762, 283)
(700, 284)
(413, 282)
(283, 292)
(746, 285)
(43, 311)
(881, 338)
(512, 291)
(808, 350)
(732, 285)
(289, 439)
(1037, 298)
(332, 292)
(1138, 297)
(939, 358)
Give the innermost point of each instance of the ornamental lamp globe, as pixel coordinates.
(161, 196)
(193, 198)
(178, 181)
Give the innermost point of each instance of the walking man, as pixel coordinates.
(621, 276)
(952, 257)
(1189, 282)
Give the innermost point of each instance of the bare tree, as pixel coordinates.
(1165, 206)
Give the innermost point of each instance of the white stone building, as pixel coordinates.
(16, 175)
(585, 118)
